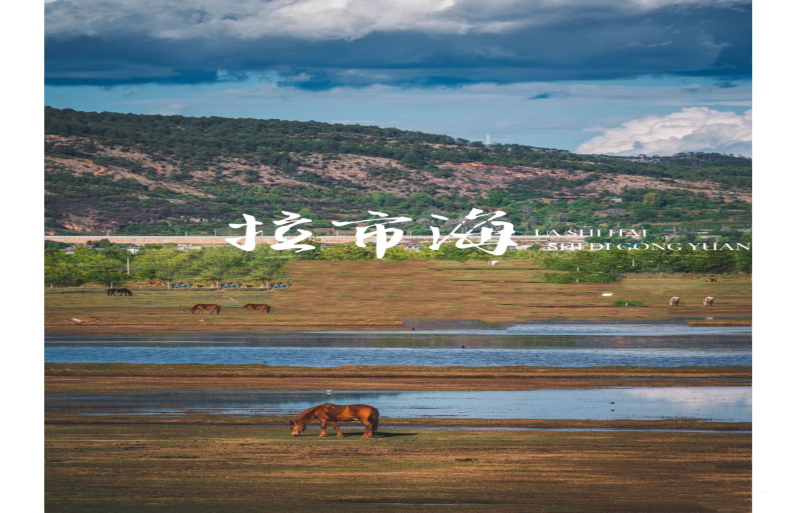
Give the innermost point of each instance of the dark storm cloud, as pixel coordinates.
(691, 40)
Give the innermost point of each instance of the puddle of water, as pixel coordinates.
(722, 404)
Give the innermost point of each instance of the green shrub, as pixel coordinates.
(628, 303)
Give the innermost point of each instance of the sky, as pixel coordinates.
(618, 77)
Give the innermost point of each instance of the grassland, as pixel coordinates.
(384, 294)
(145, 466)
(217, 463)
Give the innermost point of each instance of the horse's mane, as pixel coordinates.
(306, 413)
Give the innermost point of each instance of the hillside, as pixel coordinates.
(152, 174)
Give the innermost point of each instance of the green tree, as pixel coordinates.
(62, 275)
(653, 199)
(107, 271)
(164, 264)
(348, 252)
(449, 251)
(54, 256)
(265, 265)
(220, 263)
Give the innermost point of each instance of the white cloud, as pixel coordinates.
(324, 19)
(691, 129)
(170, 109)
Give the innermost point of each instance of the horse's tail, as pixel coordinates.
(374, 420)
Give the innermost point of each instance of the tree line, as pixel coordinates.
(112, 266)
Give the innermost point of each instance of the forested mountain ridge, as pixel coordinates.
(167, 174)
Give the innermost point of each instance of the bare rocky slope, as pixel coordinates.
(167, 174)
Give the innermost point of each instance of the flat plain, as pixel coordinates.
(385, 294)
(141, 466)
(217, 463)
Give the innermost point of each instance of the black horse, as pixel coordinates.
(123, 292)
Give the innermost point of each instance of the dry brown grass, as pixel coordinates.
(120, 377)
(377, 293)
(148, 466)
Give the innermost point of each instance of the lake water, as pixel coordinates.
(337, 356)
(567, 345)
(724, 404)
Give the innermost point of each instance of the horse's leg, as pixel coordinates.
(323, 427)
(337, 429)
(369, 429)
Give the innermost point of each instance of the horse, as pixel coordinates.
(112, 292)
(155, 282)
(201, 307)
(258, 306)
(712, 280)
(675, 301)
(124, 292)
(709, 301)
(335, 413)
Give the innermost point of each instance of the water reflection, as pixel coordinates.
(725, 404)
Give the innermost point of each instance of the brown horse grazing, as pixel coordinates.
(335, 413)
(712, 280)
(258, 306)
(202, 307)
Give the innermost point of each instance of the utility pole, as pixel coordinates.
(128, 264)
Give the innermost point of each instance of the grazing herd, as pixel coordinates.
(676, 301)
(264, 308)
(199, 307)
(709, 301)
